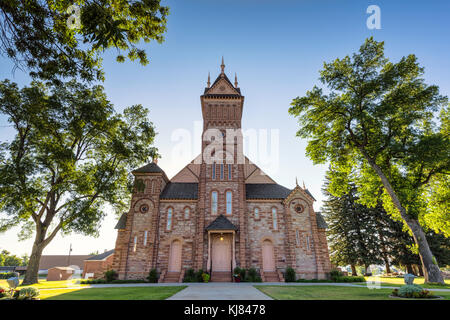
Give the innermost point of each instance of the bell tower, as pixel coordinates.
(221, 180)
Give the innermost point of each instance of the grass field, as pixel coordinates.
(44, 284)
(397, 282)
(128, 293)
(329, 293)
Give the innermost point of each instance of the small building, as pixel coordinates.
(95, 267)
(60, 273)
(50, 261)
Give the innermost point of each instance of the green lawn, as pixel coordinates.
(128, 293)
(329, 293)
(397, 282)
(44, 284)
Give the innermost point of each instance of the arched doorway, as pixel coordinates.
(268, 256)
(175, 256)
(221, 252)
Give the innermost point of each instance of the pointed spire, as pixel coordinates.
(208, 84)
(304, 184)
(222, 66)
(296, 182)
(235, 80)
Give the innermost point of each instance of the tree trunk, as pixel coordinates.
(388, 269)
(409, 269)
(429, 263)
(420, 270)
(354, 273)
(31, 275)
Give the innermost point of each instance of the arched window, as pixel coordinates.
(145, 238)
(256, 211)
(229, 198)
(274, 218)
(221, 171)
(169, 218)
(297, 237)
(214, 202)
(214, 171)
(229, 172)
(186, 213)
(135, 244)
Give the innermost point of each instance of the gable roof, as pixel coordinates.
(180, 190)
(221, 223)
(210, 92)
(151, 167)
(122, 221)
(266, 191)
(321, 224)
(101, 256)
(309, 193)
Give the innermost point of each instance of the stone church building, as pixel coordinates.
(220, 211)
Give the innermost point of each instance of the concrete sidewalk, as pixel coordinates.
(220, 291)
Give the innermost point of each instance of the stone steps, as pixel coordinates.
(217, 276)
(172, 277)
(271, 276)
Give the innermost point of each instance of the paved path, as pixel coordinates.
(220, 291)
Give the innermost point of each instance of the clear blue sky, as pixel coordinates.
(276, 48)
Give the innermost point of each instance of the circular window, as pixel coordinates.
(299, 208)
(144, 208)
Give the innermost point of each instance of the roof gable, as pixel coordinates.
(300, 191)
(222, 86)
(221, 223)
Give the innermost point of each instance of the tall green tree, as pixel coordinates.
(353, 233)
(378, 117)
(65, 38)
(71, 154)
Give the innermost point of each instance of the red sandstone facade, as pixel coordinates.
(220, 211)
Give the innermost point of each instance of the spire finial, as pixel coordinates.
(296, 182)
(235, 80)
(304, 184)
(222, 66)
(208, 84)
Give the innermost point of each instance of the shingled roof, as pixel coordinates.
(102, 256)
(266, 191)
(149, 168)
(309, 193)
(180, 190)
(321, 224)
(221, 223)
(122, 221)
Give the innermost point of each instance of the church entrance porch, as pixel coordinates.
(221, 255)
(221, 249)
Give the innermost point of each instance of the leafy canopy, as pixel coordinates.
(71, 155)
(53, 40)
(380, 112)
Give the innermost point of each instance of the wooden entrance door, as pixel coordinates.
(268, 256)
(221, 252)
(175, 256)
